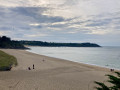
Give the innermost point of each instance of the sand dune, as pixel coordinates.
(50, 74)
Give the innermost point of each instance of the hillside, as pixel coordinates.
(7, 61)
(53, 44)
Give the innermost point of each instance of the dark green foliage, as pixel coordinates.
(6, 42)
(52, 44)
(114, 80)
(102, 86)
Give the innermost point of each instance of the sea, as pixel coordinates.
(108, 56)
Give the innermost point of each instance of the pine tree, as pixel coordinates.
(114, 80)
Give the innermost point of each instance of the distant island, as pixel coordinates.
(54, 44)
(7, 43)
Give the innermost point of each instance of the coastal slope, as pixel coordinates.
(49, 73)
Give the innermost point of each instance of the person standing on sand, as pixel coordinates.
(33, 66)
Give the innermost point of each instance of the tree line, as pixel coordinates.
(6, 42)
(53, 44)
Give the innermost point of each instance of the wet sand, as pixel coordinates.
(49, 73)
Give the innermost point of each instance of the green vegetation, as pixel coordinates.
(6, 42)
(53, 44)
(113, 79)
(7, 61)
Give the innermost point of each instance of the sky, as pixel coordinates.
(95, 21)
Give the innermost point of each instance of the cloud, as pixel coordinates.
(36, 35)
(35, 24)
(67, 20)
(99, 32)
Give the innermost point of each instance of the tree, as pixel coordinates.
(5, 39)
(6, 42)
(113, 79)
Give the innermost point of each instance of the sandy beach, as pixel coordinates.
(49, 73)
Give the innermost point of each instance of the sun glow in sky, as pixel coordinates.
(96, 21)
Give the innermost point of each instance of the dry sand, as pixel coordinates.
(50, 74)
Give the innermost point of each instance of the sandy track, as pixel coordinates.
(51, 74)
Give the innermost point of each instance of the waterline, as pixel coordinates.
(108, 57)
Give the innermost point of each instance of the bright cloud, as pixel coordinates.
(36, 35)
(35, 24)
(100, 32)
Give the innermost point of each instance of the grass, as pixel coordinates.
(7, 61)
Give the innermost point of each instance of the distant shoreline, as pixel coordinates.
(55, 44)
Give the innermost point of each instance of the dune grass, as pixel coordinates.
(7, 61)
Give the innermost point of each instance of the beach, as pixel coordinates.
(49, 73)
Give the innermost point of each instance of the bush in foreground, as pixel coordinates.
(113, 79)
(7, 61)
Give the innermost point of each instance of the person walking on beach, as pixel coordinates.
(29, 68)
(33, 66)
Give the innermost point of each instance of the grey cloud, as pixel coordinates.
(39, 26)
(19, 18)
(36, 13)
(25, 28)
(5, 28)
(117, 27)
(99, 22)
(102, 20)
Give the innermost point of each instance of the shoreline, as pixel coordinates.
(84, 64)
(50, 74)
